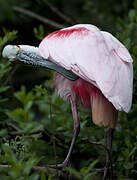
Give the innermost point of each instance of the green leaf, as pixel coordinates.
(42, 177)
(50, 177)
(25, 97)
(4, 69)
(17, 114)
(40, 89)
(9, 155)
(34, 177)
(87, 170)
(4, 88)
(3, 132)
(39, 33)
(9, 36)
(132, 15)
(129, 165)
(128, 143)
(32, 161)
(132, 152)
(90, 176)
(74, 172)
(3, 100)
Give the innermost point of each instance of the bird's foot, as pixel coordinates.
(60, 166)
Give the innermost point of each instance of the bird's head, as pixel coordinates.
(10, 52)
(30, 55)
(25, 54)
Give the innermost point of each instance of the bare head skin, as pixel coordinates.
(10, 51)
(29, 55)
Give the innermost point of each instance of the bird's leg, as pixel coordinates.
(108, 156)
(76, 132)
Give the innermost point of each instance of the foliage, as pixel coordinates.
(85, 173)
(36, 126)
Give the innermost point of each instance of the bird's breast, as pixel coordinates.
(85, 93)
(80, 89)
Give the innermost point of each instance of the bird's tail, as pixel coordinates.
(103, 112)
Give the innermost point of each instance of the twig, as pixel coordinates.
(97, 143)
(52, 136)
(5, 166)
(46, 170)
(38, 17)
(45, 133)
(11, 73)
(59, 13)
(108, 154)
(14, 127)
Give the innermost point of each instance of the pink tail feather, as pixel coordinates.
(103, 112)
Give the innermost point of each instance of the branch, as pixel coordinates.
(10, 75)
(97, 143)
(13, 127)
(38, 17)
(46, 170)
(61, 172)
(47, 135)
(52, 137)
(59, 13)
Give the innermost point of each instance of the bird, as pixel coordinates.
(92, 68)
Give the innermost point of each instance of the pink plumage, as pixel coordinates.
(103, 64)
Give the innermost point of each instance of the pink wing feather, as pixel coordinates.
(95, 56)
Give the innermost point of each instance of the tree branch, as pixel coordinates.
(59, 13)
(97, 143)
(38, 17)
(46, 170)
(11, 73)
(47, 135)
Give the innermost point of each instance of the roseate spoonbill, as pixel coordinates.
(92, 68)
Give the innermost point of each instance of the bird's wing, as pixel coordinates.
(95, 56)
(115, 45)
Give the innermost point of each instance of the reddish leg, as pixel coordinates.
(75, 135)
(108, 168)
